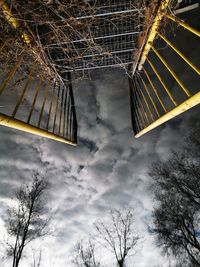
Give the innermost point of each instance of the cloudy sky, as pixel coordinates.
(108, 168)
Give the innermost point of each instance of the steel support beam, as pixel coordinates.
(19, 125)
(189, 103)
(151, 35)
(12, 20)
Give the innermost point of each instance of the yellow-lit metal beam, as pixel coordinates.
(19, 125)
(180, 54)
(147, 105)
(150, 97)
(154, 89)
(183, 24)
(162, 82)
(171, 71)
(12, 20)
(189, 103)
(153, 31)
(146, 120)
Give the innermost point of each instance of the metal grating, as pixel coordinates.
(107, 36)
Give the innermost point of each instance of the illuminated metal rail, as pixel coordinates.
(153, 100)
(47, 106)
(107, 14)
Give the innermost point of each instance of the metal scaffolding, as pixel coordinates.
(44, 45)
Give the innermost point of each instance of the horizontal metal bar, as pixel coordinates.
(107, 14)
(98, 38)
(189, 103)
(183, 24)
(99, 54)
(99, 67)
(186, 9)
(105, 53)
(19, 125)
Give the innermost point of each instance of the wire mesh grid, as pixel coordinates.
(79, 34)
(107, 41)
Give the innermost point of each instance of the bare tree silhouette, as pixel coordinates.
(85, 254)
(176, 187)
(119, 234)
(26, 220)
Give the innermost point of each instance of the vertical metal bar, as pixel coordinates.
(140, 110)
(183, 24)
(180, 53)
(143, 123)
(171, 71)
(73, 108)
(34, 100)
(70, 124)
(11, 74)
(150, 97)
(143, 109)
(50, 107)
(133, 119)
(24, 90)
(56, 109)
(65, 105)
(68, 110)
(154, 89)
(138, 124)
(162, 82)
(144, 98)
(44, 101)
(61, 110)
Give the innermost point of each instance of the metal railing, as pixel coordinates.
(158, 91)
(30, 104)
